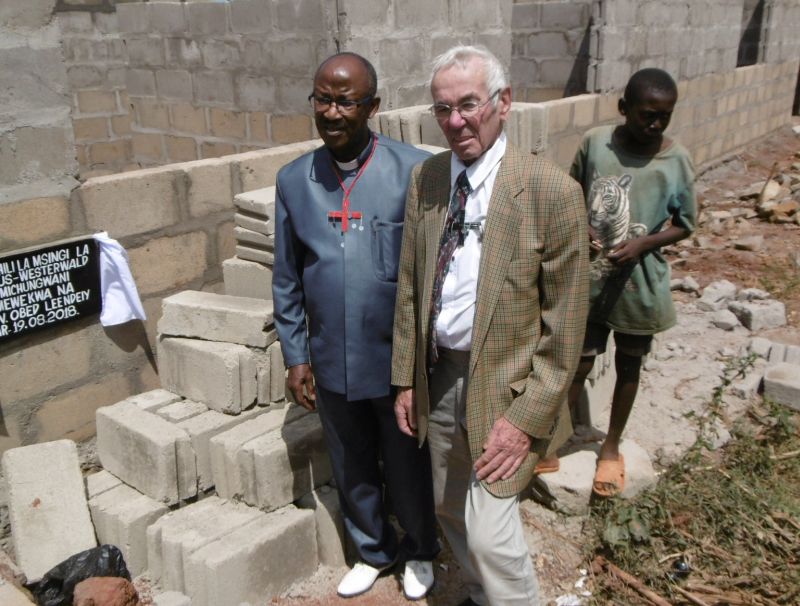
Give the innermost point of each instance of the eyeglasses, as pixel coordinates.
(467, 109)
(321, 104)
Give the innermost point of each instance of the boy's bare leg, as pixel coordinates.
(625, 389)
(573, 398)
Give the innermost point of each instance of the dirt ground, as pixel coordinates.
(679, 381)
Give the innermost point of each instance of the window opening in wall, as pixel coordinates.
(752, 25)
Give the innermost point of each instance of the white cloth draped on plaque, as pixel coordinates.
(121, 301)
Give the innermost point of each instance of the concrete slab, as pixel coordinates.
(259, 202)
(258, 255)
(202, 428)
(329, 523)
(247, 279)
(154, 399)
(100, 482)
(180, 411)
(254, 223)
(569, 489)
(782, 384)
(249, 237)
(227, 468)
(47, 506)
(146, 452)
(215, 317)
(121, 517)
(255, 562)
(220, 375)
(288, 463)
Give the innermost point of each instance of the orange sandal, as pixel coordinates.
(609, 478)
(547, 465)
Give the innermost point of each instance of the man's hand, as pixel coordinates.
(405, 409)
(504, 451)
(595, 243)
(300, 377)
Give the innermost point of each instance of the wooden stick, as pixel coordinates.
(690, 596)
(632, 581)
(785, 455)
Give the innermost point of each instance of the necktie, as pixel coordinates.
(452, 237)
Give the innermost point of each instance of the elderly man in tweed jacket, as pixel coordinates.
(491, 305)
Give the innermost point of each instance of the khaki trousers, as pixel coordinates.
(485, 532)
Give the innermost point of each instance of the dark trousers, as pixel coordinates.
(359, 434)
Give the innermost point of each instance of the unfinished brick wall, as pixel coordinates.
(550, 48)
(401, 37)
(210, 79)
(101, 117)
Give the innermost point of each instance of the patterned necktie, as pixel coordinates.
(452, 237)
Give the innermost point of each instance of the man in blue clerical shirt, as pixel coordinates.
(338, 226)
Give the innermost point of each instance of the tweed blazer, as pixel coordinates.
(531, 304)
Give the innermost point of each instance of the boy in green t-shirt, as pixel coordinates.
(636, 181)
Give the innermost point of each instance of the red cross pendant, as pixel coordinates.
(344, 215)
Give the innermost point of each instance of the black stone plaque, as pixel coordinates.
(44, 287)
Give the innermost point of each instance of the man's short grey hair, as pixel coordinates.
(494, 73)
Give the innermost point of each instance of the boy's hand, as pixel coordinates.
(594, 240)
(628, 251)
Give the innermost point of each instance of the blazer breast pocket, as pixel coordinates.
(386, 240)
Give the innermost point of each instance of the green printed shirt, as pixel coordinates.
(629, 196)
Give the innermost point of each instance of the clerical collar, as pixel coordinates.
(360, 158)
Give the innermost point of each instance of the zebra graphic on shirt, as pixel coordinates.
(609, 215)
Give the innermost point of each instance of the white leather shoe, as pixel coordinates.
(360, 579)
(417, 579)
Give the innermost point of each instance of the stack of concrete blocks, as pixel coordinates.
(249, 273)
(220, 437)
(780, 370)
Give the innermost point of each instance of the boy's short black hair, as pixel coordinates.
(649, 78)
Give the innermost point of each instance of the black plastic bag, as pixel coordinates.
(58, 583)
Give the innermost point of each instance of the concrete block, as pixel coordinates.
(133, 18)
(277, 373)
(759, 315)
(34, 220)
(760, 347)
(168, 17)
(259, 168)
(288, 463)
(172, 598)
(716, 295)
(256, 561)
(724, 319)
(180, 149)
(213, 86)
(258, 202)
(190, 119)
(202, 428)
(227, 124)
(213, 317)
(146, 452)
(258, 255)
(777, 352)
(181, 411)
(207, 18)
(99, 482)
(792, 355)
(247, 279)
(247, 237)
(227, 467)
(254, 93)
(47, 506)
(166, 264)
(329, 522)
(288, 129)
(569, 489)
(254, 223)
(174, 84)
(250, 16)
(782, 384)
(138, 82)
(10, 595)
(750, 384)
(154, 399)
(107, 201)
(121, 517)
(220, 375)
(175, 536)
